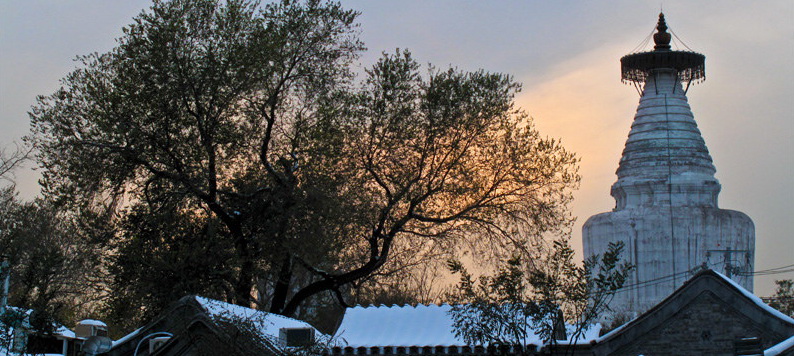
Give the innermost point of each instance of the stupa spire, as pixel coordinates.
(665, 148)
(661, 38)
(666, 211)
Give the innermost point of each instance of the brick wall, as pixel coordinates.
(707, 326)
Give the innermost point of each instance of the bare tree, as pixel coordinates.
(11, 158)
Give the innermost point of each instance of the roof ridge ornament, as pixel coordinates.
(661, 38)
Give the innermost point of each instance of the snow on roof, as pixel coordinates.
(65, 332)
(59, 331)
(587, 336)
(92, 322)
(268, 324)
(420, 325)
(127, 337)
(757, 300)
(778, 349)
(616, 330)
(738, 287)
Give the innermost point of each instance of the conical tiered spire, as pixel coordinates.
(665, 158)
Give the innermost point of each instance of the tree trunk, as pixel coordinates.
(282, 285)
(245, 280)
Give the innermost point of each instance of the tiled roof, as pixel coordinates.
(259, 329)
(411, 330)
(421, 325)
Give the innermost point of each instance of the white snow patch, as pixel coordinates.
(268, 324)
(65, 332)
(779, 348)
(127, 337)
(757, 300)
(587, 336)
(421, 325)
(741, 289)
(598, 339)
(92, 322)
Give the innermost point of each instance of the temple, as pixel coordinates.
(666, 210)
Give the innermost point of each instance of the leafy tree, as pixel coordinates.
(243, 127)
(53, 268)
(529, 298)
(46, 259)
(48, 264)
(192, 108)
(783, 299)
(161, 257)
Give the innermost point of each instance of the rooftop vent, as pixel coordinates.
(87, 328)
(295, 337)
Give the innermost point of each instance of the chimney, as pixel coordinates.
(295, 337)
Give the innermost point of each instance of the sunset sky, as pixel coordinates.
(566, 54)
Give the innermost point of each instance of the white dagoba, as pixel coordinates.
(666, 209)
